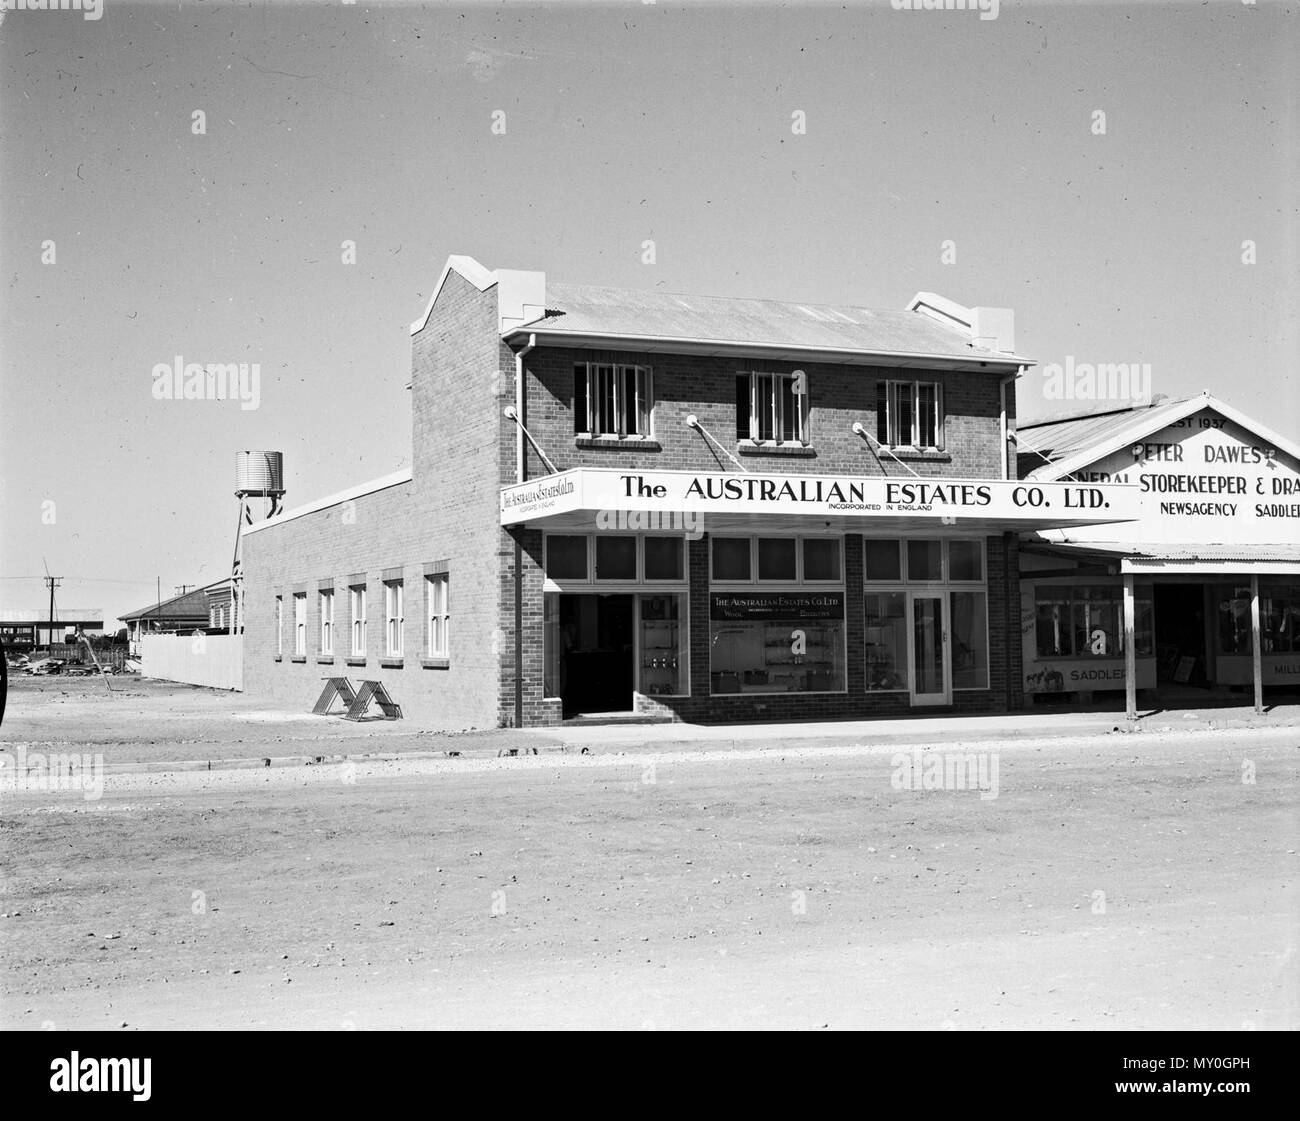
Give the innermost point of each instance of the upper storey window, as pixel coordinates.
(909, 414)
(772, 408)
(612, 400)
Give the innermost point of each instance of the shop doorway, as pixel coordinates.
(1182, 654)
(596, 653)
(930, 684)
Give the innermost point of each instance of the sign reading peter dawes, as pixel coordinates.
(984, 500)
(1205, 478)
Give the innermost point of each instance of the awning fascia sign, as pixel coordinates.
(1010, 503)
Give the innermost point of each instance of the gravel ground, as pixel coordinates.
(153, 723)
(1114, 882)
(148, 721)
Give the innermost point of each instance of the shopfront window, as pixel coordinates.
(1234, 621)
(604, 558)
(965, 561)
(821, 558)
(1279, 619)
(663, 558)
(1087, 621)
(765, 639)
(1052, 621)
(566, 557)
(731, 558)
(882, 560)
(552, 644)
(925, 598)
(778, 559)
(886, 642)
(663, 646)
(776, 642)
(970, 641)
(615, 557)
(925, 560)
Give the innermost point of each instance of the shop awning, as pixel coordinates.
(613, 498)
(1262, 559)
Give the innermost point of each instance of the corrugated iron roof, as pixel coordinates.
(1067, 436)
(1263, 551)
(588, 310)
(192, 604)
(21, 616)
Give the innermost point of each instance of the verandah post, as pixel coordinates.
(1130, 653)
(1256, 652)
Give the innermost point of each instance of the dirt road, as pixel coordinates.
(1114, 882)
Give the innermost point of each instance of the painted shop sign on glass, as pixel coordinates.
(1276, 669)
(1011, 501)
(775, 607)
(1080, 676)
(1203, 479)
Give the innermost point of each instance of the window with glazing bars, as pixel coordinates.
(909, 414)
(769, 410)
(612, 400)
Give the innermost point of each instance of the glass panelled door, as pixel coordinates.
(930, 685)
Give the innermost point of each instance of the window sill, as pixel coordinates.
(390, 663)
(299, 659)
(325, 660)
(795, 450)
(356, 660)
(915, 456)
(435, 663)
(623, 443)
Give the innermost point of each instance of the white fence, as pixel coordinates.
(216, 660)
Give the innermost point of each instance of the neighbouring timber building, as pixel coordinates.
(1210, 568)
(683, 506)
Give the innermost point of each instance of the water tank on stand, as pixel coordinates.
(259, 475)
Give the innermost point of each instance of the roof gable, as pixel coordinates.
(1089, 439)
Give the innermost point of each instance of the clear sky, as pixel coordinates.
(331, 122)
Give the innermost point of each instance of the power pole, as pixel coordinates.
(53, 582)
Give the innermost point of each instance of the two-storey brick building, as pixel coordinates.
(702, 508)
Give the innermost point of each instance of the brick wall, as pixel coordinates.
(449, 511)
(705, 386)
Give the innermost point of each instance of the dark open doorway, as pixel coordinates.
(596, 660)
(1181, 654)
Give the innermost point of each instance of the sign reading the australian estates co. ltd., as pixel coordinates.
(775, 606)
(586, 488)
